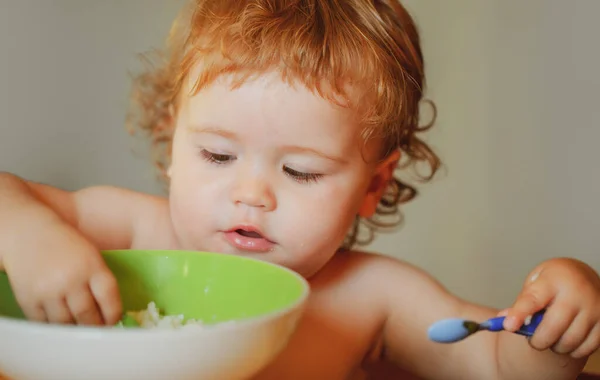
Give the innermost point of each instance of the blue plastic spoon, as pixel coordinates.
(455, 329)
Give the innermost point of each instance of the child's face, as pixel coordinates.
(271, 172)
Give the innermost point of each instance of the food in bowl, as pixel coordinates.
(151, 317)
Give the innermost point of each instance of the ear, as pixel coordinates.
(384, 173)
(169, 171)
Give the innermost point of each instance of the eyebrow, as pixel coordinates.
(214, 130)
(302, 149)
(292, 148)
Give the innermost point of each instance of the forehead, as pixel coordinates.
(269, 103)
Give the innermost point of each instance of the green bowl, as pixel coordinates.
(207, 286)
(265, 302)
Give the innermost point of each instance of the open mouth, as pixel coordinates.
(248, 238)
(250, 234)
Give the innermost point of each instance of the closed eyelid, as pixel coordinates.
(293, 149)
(217, 158)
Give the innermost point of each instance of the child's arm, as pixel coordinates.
(416, 301)
(49, 242)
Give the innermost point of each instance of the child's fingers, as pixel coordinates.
(533, 298)
(590, 344)
(575, 334)
(105, 290)
(34, 312)
(57, 311)
(84, 308)
(556, 321)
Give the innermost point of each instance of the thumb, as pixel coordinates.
(534, 297)
(503, 312)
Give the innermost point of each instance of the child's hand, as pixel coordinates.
(570, 290)
(58, 276)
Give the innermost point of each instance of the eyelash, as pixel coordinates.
(216, 158)
(300, 177)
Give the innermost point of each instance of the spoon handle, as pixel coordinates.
(496, 324)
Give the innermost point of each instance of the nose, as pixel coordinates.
(254, 191)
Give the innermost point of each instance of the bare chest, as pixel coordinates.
(333, 341)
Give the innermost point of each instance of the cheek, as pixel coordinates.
(316, 229)
(192, 179)
(191, 201)
(326, 216)
(182, 206)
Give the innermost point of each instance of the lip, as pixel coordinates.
(247, 243)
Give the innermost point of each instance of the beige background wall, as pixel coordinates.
(516, 84)
(517, 87)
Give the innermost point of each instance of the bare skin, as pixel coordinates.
(355, 314)
(286, 158)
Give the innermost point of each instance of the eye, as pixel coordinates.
(302, 177)
(216, 157)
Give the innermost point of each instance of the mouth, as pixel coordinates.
(249, 234)
(249, 238)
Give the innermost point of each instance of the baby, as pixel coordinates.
(280, 125)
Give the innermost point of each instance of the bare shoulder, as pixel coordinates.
(374, 287)
(396, 284)
(116, 218)
(374, 270)
(412, 300)
(110, 196)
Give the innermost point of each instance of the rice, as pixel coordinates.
(151, 318)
